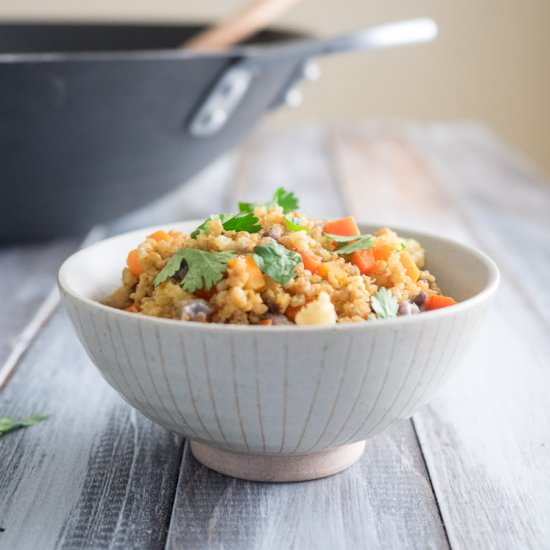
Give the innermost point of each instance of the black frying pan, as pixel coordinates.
(116, 115)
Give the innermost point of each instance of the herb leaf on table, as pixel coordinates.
(8, 424)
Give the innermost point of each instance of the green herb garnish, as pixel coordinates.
(364, 242)
(276, 261)
(341, 238)
(8, 424)
(205, 269)
(402, 246)
(384, 304)
(287, 200)
(292, 224)
(243, 221)
(202, 227)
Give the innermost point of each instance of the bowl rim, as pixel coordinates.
(484, 295)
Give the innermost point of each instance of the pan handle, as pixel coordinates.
(229, 91)
(400, 33)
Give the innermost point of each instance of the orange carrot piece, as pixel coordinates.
(364, 260)
(291, 312)
(159, 235)
(382, 251)
(311, 261)
(345, 227)
(133, 262)
(132, 308)
(437, 301)
(256, 279)
(265, 322)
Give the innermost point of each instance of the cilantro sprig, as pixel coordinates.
(292, 224)
(276, 261)
(243, 221)
(287, 200)
(360, 242)
(384, 304)
(8, 424)
(204, 269)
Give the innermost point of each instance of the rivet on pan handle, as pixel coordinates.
(222, 100)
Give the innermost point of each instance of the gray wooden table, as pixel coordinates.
(469, 471)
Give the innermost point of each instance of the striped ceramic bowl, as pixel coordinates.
(277, 403)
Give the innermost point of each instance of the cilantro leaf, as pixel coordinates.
(243, 221)
(276, 261)
(341, 238)
(384, 304)
(246, 207)
(205, 269)
(8, 424)
(202, 227)
(287, 200)
(292, 224)
(364, 242)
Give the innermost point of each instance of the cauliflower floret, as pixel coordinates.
(319, 312)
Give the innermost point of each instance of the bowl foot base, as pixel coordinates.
(278, 467)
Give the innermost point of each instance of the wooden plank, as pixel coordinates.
(485, 436)
(28, 271)
(378, 503)
(96, 474)
(383, 502)
(486, 439)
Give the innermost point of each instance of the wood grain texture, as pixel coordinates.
(29, 272)
(99, 475)
(378, 503)
(96, 474)
(383, 502)
(486, 437)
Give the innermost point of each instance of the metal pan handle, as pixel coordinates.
(401, 33)
(228, 92)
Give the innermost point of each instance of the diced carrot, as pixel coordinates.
(265, 322)
(364, 260)
(256, 279)
(382, 251)
(292, 311)
(159, 235)
(345, 227)
(132, 308)
(311, 261)
(437, 301)
(410, 267)
(134, 265)
(334, 268)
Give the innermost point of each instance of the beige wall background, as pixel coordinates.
(491, 61)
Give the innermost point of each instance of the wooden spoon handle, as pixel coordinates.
(236, 28)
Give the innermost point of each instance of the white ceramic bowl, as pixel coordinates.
(277, 403)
